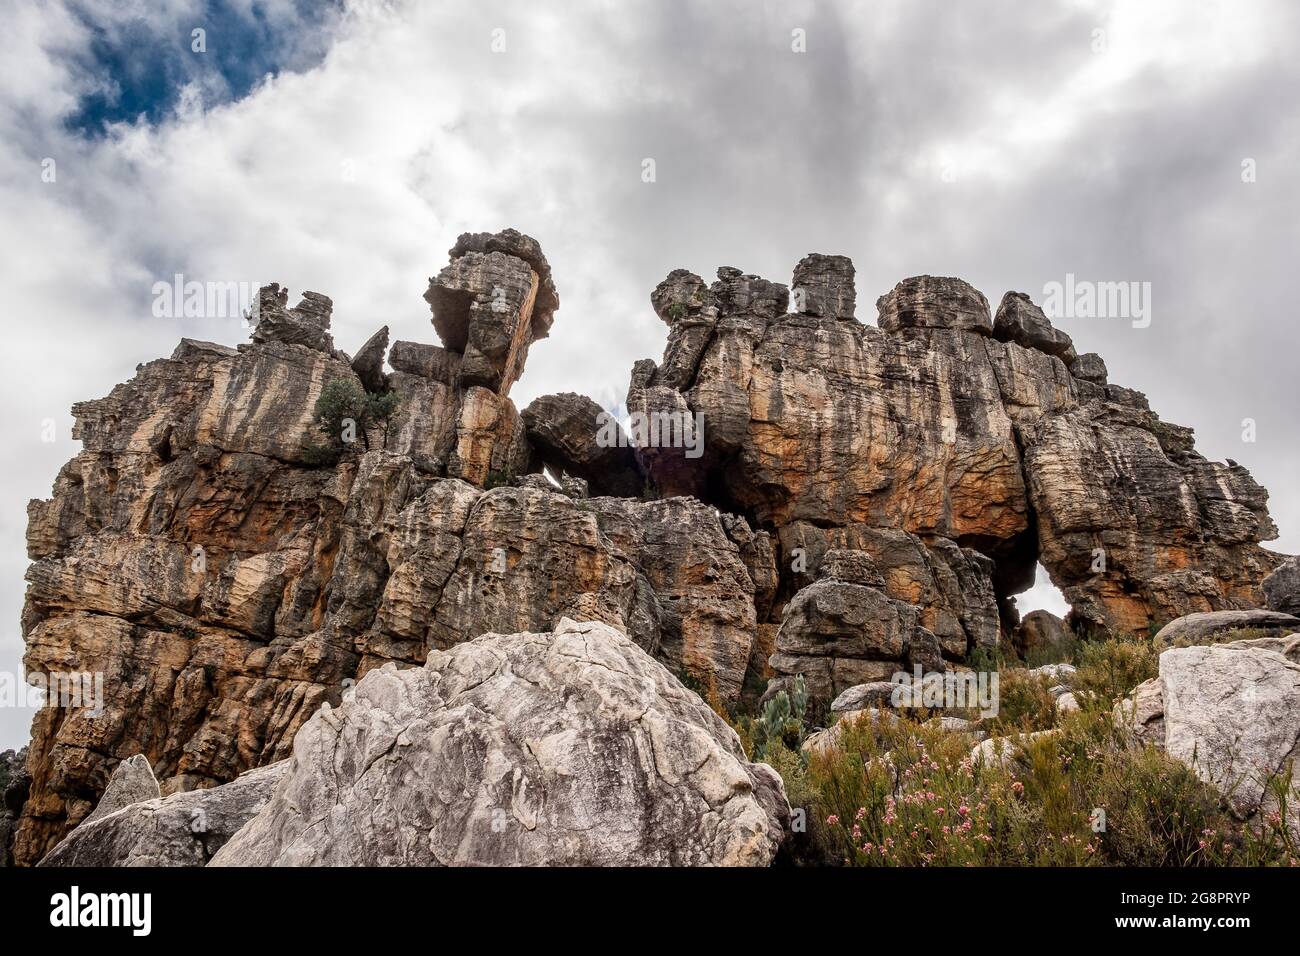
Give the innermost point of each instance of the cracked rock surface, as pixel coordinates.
(567, 748)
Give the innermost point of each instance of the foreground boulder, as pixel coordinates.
(184, 829)
(1231, 712)
(568, 748)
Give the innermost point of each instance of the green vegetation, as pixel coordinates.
(910, 793)
(344, 413)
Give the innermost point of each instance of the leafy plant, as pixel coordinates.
(344, 411)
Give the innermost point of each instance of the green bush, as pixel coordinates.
(909, 794)
(1110, 669)
(344, 411)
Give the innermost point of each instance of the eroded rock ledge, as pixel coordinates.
(867, 498)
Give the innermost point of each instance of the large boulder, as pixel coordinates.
(184, 829)
(15, 782)
(932, 302)
(1282, 587)
(577, 437)
(567, 748)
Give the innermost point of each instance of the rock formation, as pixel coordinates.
(567, 748)
(974, 436)
(862, 499)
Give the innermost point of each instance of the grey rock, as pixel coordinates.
(1233, 715)
(877, 694)
(427, 361)
(567, 748)
(307, 323)
(1210, 626)
(824, 286)
(369, 362)
(934, 302)
(1089, 367)
(132, 781)
(184, 829)
(1282, 587)
(1019, 320)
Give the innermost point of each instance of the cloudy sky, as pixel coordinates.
(341, 148)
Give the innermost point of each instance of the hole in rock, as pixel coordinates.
(1042, 595)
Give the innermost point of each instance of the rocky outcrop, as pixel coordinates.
(184, 829)
(311, 578)
(564, 748)
(992, 438)
(491, 303)
(815, 496)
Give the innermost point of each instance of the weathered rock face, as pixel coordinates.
(1282, 588)
(992, 437)
(860, 500)
(566, 748)
(184, 829)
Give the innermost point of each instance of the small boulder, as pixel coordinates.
(1019, 320)
(132, 781)
(1089, 367)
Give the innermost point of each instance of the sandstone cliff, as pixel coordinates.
(864, 498)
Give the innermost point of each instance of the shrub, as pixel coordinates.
(1110, 669)
(909, 794)
(343, 411)
(1025, 704)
